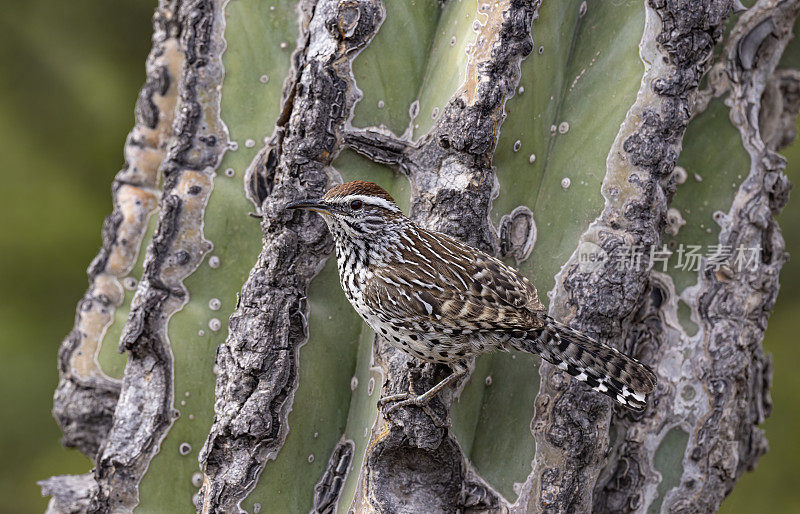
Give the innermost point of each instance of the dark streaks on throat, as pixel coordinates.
(440, 300)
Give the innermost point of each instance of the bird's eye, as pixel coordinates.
(356, 204)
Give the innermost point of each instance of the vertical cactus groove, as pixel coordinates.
(570, 425)
(85, 397)
(145, 412)
(257, 364)
(699, 432)
(327, 491)
(714, 384)
(733, 303)
(412, 459)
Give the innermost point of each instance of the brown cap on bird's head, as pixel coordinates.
(349, 197)
(357, 187)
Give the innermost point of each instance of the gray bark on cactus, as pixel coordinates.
(589, 455)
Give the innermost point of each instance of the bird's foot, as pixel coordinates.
(421, 400)
(402, 400)
(400, 397)
(408, 399)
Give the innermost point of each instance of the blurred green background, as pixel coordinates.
(70, 75)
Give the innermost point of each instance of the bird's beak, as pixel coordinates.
(313, 204)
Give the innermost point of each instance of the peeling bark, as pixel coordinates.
(257, 364)
(85, 398)
(145, 411)
(571, 423)
(412, 458)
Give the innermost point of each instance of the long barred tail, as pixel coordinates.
(603, 368)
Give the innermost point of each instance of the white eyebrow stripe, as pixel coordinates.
(373, 200)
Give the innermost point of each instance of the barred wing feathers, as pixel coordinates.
(441, 284)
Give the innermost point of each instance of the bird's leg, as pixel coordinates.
(411, 394)
(401, 396)
(406, 399)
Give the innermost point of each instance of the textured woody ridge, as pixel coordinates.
(257, 365)
(571, 424)
(85, 398)
(145, 411)
(713, 386)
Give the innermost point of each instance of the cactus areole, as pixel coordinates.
(623, 156)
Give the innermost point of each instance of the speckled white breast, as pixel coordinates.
(353, 279)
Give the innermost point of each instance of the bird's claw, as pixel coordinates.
(407, 399)
(400, 397)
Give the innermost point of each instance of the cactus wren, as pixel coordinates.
(443, 301)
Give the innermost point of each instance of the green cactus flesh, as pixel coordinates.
(575, 89)
(249, 108)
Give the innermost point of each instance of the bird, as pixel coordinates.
(442, 301)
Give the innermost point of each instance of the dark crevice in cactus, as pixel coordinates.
(516, 234)
(144, 412)
(571, 439)
(85, 398)
(329, 488)
(381, 147)
(257, 365)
